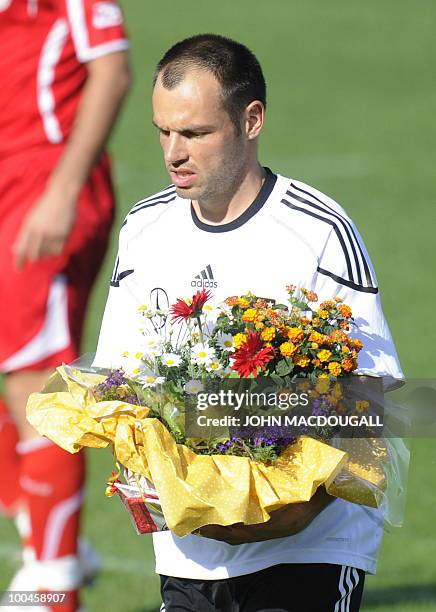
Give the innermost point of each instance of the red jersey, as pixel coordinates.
(44, 45)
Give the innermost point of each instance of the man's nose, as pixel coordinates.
(175, 150)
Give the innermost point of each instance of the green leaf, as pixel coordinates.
(284, 367)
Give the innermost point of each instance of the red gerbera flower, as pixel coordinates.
(182, 311)
(251, 356)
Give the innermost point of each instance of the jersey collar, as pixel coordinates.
(255, 206)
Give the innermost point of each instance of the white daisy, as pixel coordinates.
(194, 387)
(202, 354)
(214, 366)
(152, 346)
(171, 359)
(151, 380)
(210, 311)
(225, 342)
(131, 363)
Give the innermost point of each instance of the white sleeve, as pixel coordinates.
(121, 323)
(349, 274)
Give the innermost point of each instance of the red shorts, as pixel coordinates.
(42, 306)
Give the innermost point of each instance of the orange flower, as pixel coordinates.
(348, 365)
(287, 349)
(339, 336)
(232, 301)
(345, 311)
(317, 337)
(354, 343)
(260, 303)
(316, 362)
(344, 325)
(327, 304)
(310, 295)
(295, 334)
(335, 368)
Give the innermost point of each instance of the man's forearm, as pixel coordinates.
(103, 94)
(287, 521)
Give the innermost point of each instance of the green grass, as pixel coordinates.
(351, 104)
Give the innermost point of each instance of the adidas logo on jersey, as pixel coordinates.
(205, 279)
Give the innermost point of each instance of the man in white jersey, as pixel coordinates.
(232, 226)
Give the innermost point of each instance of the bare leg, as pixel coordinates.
(18, 386)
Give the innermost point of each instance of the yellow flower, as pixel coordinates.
(239, 339)
(335, 368)
(323, 383)
(362, 405)
(269, 333)
(302, 361)
(287, 349)
(324, 355)
(259, 325)
(243, 303)
(337, 391)
(323, 314)
(249, 315)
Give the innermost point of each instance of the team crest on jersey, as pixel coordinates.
(205, 279)
(106, 15)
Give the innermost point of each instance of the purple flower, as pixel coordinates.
(115, 378)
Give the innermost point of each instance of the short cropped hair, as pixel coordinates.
(235, 67)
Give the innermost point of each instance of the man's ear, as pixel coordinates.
(254, 119)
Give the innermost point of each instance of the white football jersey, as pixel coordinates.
(290, 234)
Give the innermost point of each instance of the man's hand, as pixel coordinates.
(286, 521)
(46, 228)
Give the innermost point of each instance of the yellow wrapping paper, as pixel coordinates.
(194, 490)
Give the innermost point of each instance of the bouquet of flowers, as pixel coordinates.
(228, 476)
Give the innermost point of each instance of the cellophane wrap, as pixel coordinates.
(196, 490)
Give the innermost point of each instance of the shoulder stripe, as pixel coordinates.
(349, 229)
(161, 200)
(157, 196)
(347, 283)
(340, 228)
(330, 222)
(115, 281)
(115, 272)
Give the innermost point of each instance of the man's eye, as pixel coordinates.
(164, 132)
(194, 134)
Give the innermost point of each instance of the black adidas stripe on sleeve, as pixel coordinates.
(358, 273)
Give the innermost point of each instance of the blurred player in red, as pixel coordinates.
(64, 73)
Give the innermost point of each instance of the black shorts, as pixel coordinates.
(305, 587)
